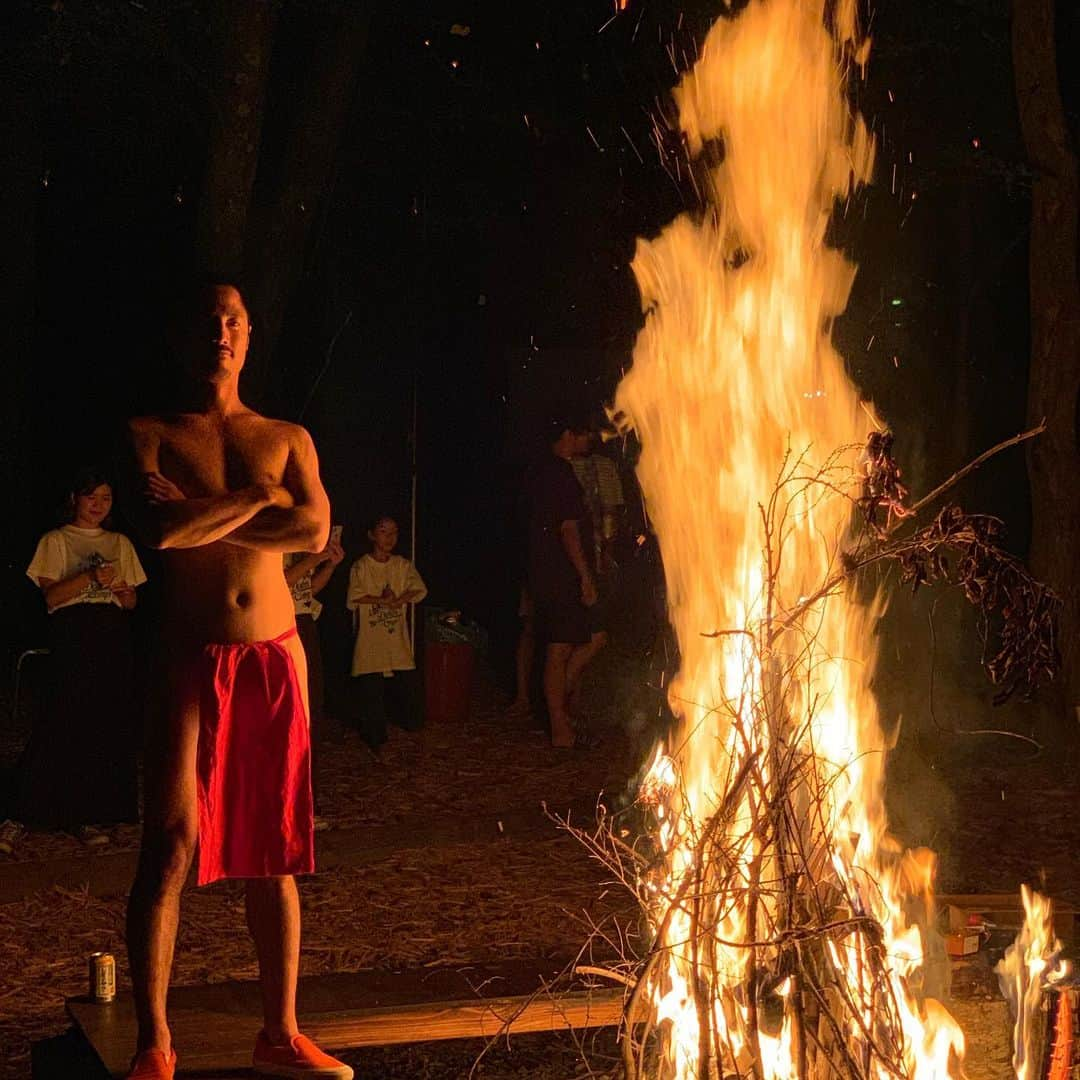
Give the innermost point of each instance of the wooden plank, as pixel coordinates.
(471, 1019)
(215, 1031)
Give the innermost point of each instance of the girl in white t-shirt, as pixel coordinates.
(79, 769)
(382, 585)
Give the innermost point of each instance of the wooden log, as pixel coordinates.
(824, 1048)
(1060, 1044)
(810, 1016)
(208, 1040)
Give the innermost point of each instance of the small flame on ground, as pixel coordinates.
(1032, 963)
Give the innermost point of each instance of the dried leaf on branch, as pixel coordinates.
(1017, 611)
(1019, 614)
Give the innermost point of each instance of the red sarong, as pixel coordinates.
(254, 764)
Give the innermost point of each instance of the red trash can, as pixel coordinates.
(448, 677)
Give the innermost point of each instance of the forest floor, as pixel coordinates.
(1006, 819)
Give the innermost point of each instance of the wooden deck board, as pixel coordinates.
(214, 1026)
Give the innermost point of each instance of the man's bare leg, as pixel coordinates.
(170, 834)
(580, 659)
(273, 918)
(523, 661)
(555, 663)
(272, 906)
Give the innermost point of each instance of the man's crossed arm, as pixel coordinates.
(268, 517)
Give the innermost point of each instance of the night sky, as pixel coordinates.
(472, 241)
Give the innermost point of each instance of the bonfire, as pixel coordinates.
(790, 934)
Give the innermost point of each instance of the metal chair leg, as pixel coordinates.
(18, 680)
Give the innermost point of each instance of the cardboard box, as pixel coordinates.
(962, 943)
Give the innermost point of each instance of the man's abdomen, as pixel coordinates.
(224, 594)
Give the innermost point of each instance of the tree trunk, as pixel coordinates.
(295, 182)
(1054, 382)
(22, 160)
(241, 35)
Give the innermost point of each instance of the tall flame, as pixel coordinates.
(771, 816)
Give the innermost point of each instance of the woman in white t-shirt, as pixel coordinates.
(79, 770)
(382, 585)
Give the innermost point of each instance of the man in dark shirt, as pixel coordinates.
(560, 573)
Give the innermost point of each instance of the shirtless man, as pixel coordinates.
(223, 492)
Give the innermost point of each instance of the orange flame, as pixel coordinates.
(740, 401)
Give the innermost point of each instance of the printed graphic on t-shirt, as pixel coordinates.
(384, 618)
(301, 593)
(96, 593)
(303, 596)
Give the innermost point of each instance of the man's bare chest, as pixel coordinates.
(211, 461)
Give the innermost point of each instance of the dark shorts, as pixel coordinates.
(559, 616)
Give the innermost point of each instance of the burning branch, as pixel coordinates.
(971, 466)
(780, 845)
(994, 581)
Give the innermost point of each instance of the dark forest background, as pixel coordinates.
(432, 207)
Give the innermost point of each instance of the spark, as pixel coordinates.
(632, 146)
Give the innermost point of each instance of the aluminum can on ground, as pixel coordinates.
(102, 977)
